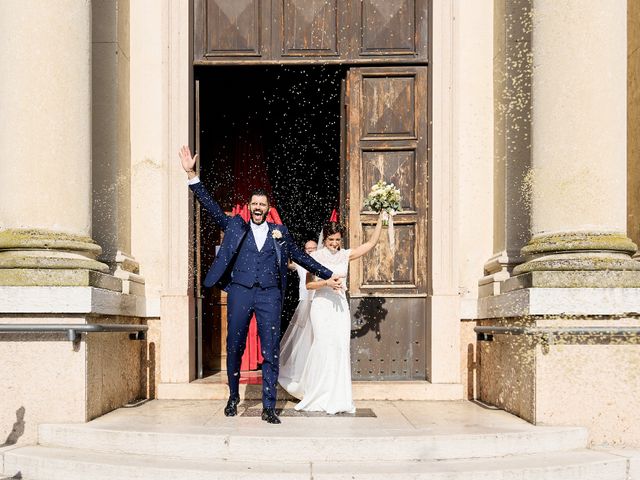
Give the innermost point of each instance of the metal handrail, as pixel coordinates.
(486, 332)
(74, 331)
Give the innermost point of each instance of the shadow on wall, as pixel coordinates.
(18, 429)
(368, 317)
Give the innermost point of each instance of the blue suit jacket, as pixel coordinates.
(235, 229)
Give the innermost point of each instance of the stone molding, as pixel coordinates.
(579, 241)
(69, 300)
(44, 249)
(498, 269)
(561, 301)
(579, 251)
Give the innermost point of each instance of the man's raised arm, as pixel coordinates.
(188, 164)
(306, 261)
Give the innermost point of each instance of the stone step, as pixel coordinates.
(216, 388)
(45, 463)
(380, 431)
(254, 444)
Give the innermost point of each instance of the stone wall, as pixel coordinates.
(45, 378)
(589, 381)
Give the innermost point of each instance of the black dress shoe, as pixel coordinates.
(231, 410)
(269, 415)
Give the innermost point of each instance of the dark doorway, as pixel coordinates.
(277, 128)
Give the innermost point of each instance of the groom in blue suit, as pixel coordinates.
(251, 266)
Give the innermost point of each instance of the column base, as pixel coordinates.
(497, 269)
(573, 279)
(581, 252)
(127, 269)
(42, 249)
(33, 277)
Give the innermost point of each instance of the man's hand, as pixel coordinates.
(188, 162)
(335, 282)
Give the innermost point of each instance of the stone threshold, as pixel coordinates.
(381, 390)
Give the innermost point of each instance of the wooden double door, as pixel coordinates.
(380, 132)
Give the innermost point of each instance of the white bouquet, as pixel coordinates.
(385, 198)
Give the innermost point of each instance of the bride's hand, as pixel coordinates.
(335, 282)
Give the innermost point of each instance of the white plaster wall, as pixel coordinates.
(149, 130)
(473, 140)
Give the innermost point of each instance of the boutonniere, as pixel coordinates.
(277, 234)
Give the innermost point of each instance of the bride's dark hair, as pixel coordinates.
(331, 228)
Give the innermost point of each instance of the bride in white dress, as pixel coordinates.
(315, 363)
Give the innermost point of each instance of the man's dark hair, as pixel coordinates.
(331, 228)
(259, 192)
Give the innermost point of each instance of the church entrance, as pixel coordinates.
(316, 138)
(315, 101)
(274, 128)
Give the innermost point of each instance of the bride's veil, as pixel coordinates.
(296, 343)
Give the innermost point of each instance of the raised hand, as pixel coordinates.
(188, 162)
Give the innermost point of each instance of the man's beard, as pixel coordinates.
(260, 219)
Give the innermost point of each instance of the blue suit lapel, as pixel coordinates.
(244, 230)
(275, 244)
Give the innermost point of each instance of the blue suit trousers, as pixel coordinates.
(266, 303)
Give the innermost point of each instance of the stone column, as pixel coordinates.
(577, 182)
(512, 139)
(45, 142)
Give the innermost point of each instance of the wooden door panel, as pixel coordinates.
(398, 166)
(388, 109)
(231, 28)
(388, 338)
(384, 269)
(395, 151)
(310, 27)
(389, 27)
(310, 31)
(387, 140)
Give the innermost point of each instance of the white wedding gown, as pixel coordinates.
(315, 363)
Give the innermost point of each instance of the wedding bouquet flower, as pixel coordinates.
(385, 197)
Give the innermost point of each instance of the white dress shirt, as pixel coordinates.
(259, 233)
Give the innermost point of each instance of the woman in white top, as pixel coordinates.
(315, 363)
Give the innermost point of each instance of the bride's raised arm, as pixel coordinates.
(357, 252)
